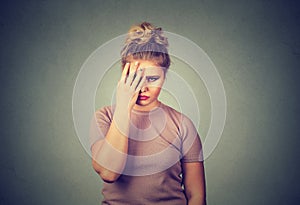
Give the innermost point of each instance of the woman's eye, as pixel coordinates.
(152, 79)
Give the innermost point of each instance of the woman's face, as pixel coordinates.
(149, 93)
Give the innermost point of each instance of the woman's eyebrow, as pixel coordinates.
(152, 76)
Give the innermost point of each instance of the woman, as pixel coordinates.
(145, 151)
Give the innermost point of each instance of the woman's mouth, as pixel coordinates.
(143, 97)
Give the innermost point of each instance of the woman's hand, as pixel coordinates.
(128, 90)
(129, 87)
(110, 155)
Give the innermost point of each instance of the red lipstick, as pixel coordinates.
(143, 97)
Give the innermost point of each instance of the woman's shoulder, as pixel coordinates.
(178, 117)
(105, 111)
(105, 108)
(172, 111)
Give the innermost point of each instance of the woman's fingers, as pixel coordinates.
(134, 67)
(137, 78)
(125, 72)
(132, 73)
(141, 83)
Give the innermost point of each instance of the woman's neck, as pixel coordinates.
(146, 108)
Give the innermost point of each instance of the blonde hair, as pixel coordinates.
(146, 42)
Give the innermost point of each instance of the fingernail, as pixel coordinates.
(136, 63)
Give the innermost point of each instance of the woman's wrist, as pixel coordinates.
(122, 112)
(121, 119)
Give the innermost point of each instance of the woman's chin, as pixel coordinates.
(141, 103)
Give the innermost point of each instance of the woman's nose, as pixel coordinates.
(144, 88)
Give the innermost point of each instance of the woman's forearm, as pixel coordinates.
(111, 154)
(196, 200)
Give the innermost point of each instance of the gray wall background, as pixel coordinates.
(254, 44)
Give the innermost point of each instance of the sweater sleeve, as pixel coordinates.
(100, 124)
(191, 147)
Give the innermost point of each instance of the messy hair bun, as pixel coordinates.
(146, 42)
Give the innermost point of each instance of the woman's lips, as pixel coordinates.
(143, 97)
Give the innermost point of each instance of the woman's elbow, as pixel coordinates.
(108, 176)
(105, 174)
